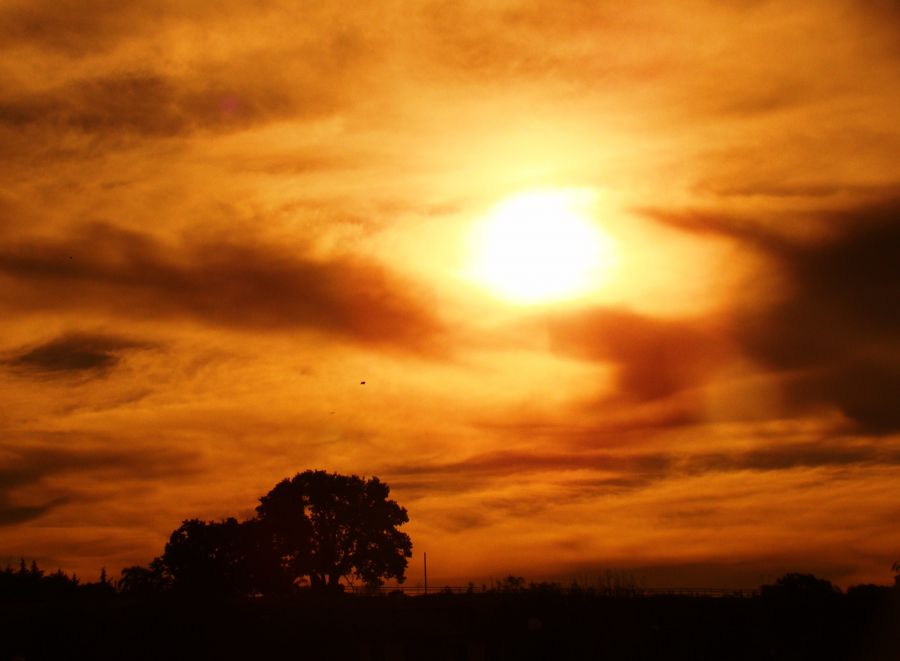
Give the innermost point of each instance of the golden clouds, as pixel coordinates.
(217, 221)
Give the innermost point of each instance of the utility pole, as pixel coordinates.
(426, 572)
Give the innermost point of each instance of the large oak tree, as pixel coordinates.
(327, 527)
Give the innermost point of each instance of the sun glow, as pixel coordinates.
(539, 247)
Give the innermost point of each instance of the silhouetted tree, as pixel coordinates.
(102, 589)
(511, 584)
(266, 572)
(796, 586)
(208, 558)
(60, 584)
(896, 568)
(30, 583)
(140, 581)
(328, 526)
(619, 583)
(315, 527)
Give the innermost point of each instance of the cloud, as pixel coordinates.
(617, 424)
(793, 455)
(832, 330)
(504, 463)
(93, 29)
(11, 515)
(838, 320)
(590, 49)
(864, 390)
(595, 473)
(152, 105)
(72, 353)
(87, 76)
(754, 232)
(655, 358)
(72, 27)
(248, 286)
(30, 466)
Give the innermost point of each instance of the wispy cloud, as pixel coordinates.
(27, 466)
(654, 357)
(247, 286)
(72, 353)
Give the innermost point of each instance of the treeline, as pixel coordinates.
(622, 583)
(31, 583)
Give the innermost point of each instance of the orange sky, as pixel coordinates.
(218, 218)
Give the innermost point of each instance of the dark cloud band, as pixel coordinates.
(248, 286)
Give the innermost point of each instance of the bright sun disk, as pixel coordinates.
(540, 247)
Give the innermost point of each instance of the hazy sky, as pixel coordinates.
(217, 219)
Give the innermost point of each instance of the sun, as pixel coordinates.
(540, 247)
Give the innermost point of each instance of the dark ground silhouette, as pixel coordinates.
(799, 617)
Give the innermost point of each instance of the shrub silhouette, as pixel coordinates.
(511, 584)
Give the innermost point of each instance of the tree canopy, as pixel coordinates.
(316, 528)
(327, 527)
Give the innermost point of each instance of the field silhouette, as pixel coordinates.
(786, 621)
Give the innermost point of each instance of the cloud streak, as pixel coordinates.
(654, 357)
(248, 286)
(615, 471)
(153, 106)
(73, 353)
(32, 465)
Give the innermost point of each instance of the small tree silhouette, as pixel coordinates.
(511, 584)
(140, 581)
(800, 587)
